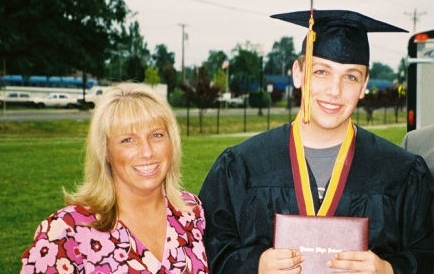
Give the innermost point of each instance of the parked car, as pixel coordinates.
(59, 100)
(94, 94)
(234, 102)
(92, 97)
(16, 98)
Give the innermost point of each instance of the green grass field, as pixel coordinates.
(37, 159)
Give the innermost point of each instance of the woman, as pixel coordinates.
(130, 215)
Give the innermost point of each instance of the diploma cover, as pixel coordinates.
(319, 238)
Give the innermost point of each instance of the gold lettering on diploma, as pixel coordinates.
(318, 249)
(307, 249)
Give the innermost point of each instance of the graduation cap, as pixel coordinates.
(340, 35)
(337, 35)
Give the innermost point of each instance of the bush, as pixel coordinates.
(178, 98)
(259, 99)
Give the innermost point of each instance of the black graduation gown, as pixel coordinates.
(251, 181)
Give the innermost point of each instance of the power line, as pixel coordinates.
(233, 8)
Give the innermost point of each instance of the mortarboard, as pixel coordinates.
(341, 35)
(337, 35)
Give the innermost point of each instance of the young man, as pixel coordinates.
(252, 181)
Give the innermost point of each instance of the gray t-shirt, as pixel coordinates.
(321, 162)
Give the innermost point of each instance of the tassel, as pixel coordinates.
(310, 38)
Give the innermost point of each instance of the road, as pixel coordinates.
(43, 114)
(75, 114)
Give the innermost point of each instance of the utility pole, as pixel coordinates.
(4, 92)
(184, 37)
(415, 17)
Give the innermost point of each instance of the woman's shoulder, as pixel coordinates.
(73, 215)
(190, 198)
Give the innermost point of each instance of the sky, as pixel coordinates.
(222, 24)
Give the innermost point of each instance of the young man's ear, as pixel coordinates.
(297, 74)
(365, 87)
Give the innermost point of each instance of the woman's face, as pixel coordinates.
(140, 159)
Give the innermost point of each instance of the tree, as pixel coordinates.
(402, 71)
(215, 61)
(281, 57)
(162, 57)
(164, 61)
(50, 37)
(137, 54)
(381, 71)
(245, 69)
(129, 58)
(259, 99)
(201, 92)
(219, 79)
(169, 75)
(151, 76)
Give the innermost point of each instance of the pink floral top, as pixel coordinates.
(63, 243)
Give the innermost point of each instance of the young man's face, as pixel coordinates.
(335, 90)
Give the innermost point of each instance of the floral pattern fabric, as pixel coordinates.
(65, 243)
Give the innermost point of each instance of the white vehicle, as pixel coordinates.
(229, 101)
(420, 80)
(92, 96)
(16, 98)
(95, 93)
(59, 100)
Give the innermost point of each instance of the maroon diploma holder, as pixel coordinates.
(319, 238)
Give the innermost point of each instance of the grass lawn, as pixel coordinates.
(38, 159)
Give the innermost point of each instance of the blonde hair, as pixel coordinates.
(125, 106)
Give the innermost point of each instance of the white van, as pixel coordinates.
(95, 92)
(92, 96)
